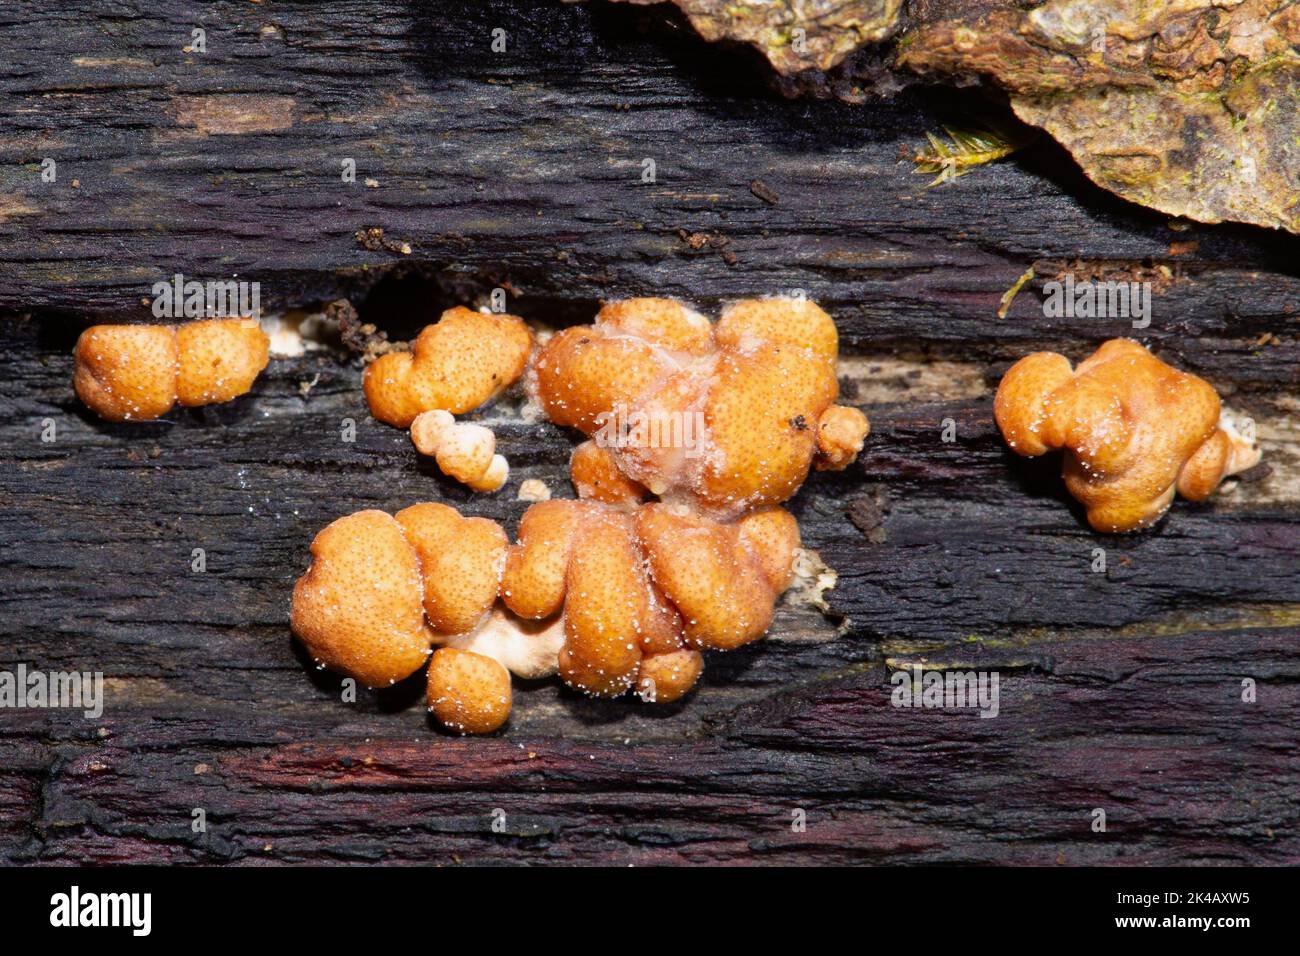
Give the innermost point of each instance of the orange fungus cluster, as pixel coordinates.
(139, 372)
(1134, 430)
(676, 545)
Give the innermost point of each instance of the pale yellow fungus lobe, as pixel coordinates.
(464, 451)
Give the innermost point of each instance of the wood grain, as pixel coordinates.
(1120, 690)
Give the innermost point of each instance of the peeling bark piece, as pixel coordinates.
(832, 29)
(1185, 106)
(1192, 156)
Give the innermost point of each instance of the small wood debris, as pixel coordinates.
(764, 192)
(867, 512)
(373, 240)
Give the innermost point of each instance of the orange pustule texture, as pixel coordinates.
(359, 607)
(219, 359)
(468, 692)
(460, 563)
(381, 591)
(139, 372)
(580, 559)
(722, 581)
(606, 605)
(668, 677)
(595, 474)
(1134, 430)
(362, 606)
(724, 418)
(464, 359)
(637, 585)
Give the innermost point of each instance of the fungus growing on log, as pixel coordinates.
(139, 372)
(466, 452)
(359, 608)
(460, 362)
(1134, 430)
(721, 418)
(468, 692)
(611, 600)
(613, 592)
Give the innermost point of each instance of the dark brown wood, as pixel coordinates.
(1120, 690)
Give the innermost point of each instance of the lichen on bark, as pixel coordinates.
(1185, 106)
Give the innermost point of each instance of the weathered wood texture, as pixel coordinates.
(1120, 690)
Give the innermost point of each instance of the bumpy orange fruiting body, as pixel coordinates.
(637, 586)
(771, 537)
(533, 583)
(219, 359)
(664, 322)
(580, 558)
(623, 599)
(359, 607)
(463, 360)
(607, 603)
(139, 372)
(584, 559)
(840, 434)
(725, 418)
(595, 474)
(468, 692)
(460, 563)
(609, 592)
(666, 678)
(723, 579)
(1134, 430)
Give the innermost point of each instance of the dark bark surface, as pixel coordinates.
(1120, 690)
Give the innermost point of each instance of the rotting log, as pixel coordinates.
(1121, 690)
